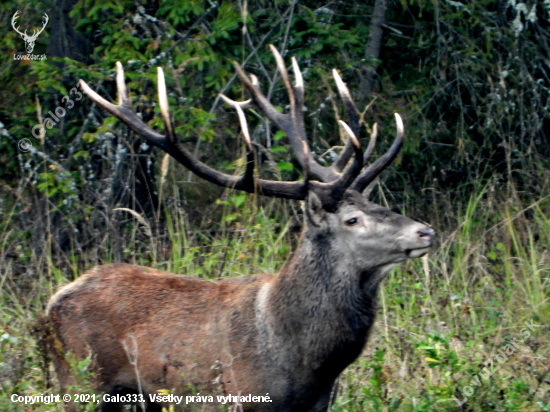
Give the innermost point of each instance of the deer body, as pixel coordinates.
(223, 332)
(288, 335)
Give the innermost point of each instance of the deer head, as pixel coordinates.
(29, 40)
(289, 335)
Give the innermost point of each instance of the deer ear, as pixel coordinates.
(314, 208)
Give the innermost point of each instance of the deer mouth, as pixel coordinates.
(418, 252)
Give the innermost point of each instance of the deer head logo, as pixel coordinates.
(29, 40)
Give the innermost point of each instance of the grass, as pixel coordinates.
(441, 319)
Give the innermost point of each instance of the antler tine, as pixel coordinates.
(295, 131)
(121, 86)
(255, 81)
(163, 103)
(242, 119)
(298, 83)
(376, 168)
(372, 144)
(284, 73)
(307, 171)
(352, 137)
(248, 177)
(351, 173)
(259, 99)
(247, 104)
(345, 95)
(250, 160)
(342, 160)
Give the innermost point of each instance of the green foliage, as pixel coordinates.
(83, 378)
(471, 71)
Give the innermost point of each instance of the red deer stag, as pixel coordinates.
(285, 337)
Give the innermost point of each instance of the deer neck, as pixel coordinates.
(319, 305)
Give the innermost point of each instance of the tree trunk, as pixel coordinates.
(372, 51)
(64, 41)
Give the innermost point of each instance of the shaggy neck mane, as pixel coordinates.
(318, 305)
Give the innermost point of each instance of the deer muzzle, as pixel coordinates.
(418, 241)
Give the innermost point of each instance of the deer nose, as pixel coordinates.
(427, 234)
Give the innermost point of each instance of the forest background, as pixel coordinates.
(471, 80)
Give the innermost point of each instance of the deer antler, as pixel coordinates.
(170, 144)
(329, 182)
(293, 122)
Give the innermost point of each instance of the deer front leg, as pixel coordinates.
(327, 398)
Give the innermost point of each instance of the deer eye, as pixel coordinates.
(351, 221)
